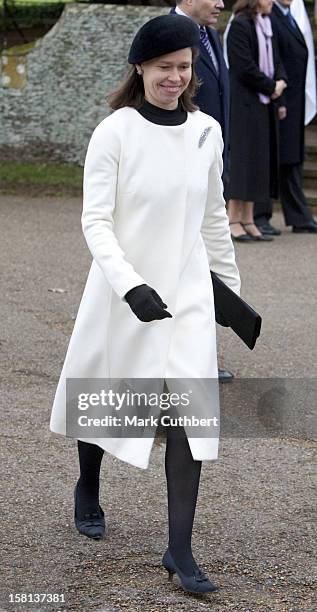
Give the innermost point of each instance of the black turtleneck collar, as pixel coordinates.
(161, 116)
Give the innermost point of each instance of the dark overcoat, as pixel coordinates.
(254, 129)
(294, 55)
(213, 95)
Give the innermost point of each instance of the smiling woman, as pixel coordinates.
(165, 81)
(155, 221)
(166, 78)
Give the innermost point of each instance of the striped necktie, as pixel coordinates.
(207, 44)
(291, 19)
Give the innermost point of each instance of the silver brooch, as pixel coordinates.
(203, 136)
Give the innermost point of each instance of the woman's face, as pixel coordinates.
(265, 6)
(166, 77)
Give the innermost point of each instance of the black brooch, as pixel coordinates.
(203, 136)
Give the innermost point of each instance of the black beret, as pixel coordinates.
(161, 35)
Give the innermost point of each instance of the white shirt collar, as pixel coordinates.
(282, 8)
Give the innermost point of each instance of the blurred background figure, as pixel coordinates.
(300, 15)
(213, 94)
(257, 79)
(294, 55)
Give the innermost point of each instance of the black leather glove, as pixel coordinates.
(146, 304)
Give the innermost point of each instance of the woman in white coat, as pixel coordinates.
(155, 222)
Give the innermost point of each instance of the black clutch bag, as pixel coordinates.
(232, 311)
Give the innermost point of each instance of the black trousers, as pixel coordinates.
(295, 208)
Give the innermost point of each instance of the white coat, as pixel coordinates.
(153, 213)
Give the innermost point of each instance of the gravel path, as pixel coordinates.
(255, 523)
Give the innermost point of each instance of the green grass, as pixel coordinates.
(21, 49)
(41, 179)
(31, 13)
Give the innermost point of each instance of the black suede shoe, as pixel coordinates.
(268, 229)
(310, 227)
(196, 583)
(240, 237)
(225, 375)
(260, 237)
(91, 524)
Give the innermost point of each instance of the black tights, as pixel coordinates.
(87, 497)
(182, 477)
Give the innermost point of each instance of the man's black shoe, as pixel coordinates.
(310, 227)
(268, 229)
(225, 375)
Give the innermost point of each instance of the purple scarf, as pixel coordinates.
(264, 33)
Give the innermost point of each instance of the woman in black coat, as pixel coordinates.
(257, 79)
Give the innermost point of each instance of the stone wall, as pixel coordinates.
(68, 75)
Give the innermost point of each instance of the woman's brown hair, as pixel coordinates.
(247, 7)
(130, 92)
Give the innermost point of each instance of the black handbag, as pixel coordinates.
(232, 311)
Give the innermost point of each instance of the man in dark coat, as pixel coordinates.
(294, 55)
(213, 94)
